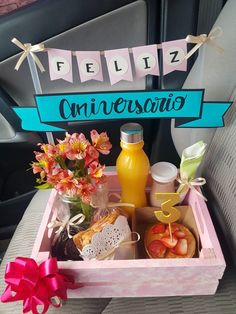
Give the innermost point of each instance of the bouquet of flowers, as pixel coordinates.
(72, 167)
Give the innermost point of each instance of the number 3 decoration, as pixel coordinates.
(168, 213)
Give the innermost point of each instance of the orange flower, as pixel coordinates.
(91, 155)
(63, 180)
(101, 142)
(44, 161)
(49, 149)
(85, 190)
(75, 146)
(72, 165)
(96, 170)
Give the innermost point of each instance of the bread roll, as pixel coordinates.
(83, 238)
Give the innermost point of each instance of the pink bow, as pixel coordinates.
(36, 285)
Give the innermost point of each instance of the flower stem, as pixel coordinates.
(86, 209)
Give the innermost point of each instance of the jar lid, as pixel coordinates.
(131, 133)
(164, 172)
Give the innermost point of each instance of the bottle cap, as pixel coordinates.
(131, 133)
(164, 172)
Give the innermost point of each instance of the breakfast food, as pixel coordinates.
(83, 238)
(63, 248)
(158, 243)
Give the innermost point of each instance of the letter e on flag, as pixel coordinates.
(89, 64)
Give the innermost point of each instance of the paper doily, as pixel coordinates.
(104, 243)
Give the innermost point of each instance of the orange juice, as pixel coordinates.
(132, 166)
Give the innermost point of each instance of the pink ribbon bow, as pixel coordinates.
(36, 285)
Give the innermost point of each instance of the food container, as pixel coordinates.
(143, 277)
(164, 175)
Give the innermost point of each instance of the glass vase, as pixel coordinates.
(74, 206)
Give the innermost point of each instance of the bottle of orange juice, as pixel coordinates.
(132, 166)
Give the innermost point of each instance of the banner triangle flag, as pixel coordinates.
(173, 53)
(60, 64)
(90, 67)
(118, 64)
(146, 60)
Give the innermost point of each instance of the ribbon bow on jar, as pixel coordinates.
(66, 223)
(192, 184)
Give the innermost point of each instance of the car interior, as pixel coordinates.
(101, 25)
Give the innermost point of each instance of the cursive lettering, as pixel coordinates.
(119, 106)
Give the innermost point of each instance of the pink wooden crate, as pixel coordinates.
(142, 277)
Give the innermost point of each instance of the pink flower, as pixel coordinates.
(85, 190)
(91, 155)
(49, 149)
(66, 139)
(101, 142)
(44, 161)
(63, 180)
(36, 168)
(72, 166)
(74, 146)
(96, 170)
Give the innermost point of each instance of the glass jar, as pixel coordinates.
(100, 202)
(74, 206)
(164, 175)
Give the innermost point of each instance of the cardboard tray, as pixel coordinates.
(143, 277)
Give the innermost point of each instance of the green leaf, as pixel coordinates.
(44, 186)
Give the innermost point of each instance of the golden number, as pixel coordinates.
(168, 214)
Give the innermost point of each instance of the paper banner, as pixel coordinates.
(58, 109)
(173, 56)
(60, 64)
(118, 64)
(30, 120)
(90, 67)
(146, 60)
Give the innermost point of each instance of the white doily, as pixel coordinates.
(104, 243)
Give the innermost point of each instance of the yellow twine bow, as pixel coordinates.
(29, 49)
(202, 39)
(192, 184)
(66, 223)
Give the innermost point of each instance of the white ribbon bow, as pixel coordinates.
(192, 184)
(29, 49)
(66, 224)
(202, 39)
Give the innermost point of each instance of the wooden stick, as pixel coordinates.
(171, 238)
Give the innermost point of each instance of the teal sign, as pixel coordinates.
(54, 110)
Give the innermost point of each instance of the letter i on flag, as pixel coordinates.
(146, 60)
(60, 64)
(173, 56)
(90, 67)
(118, 64)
